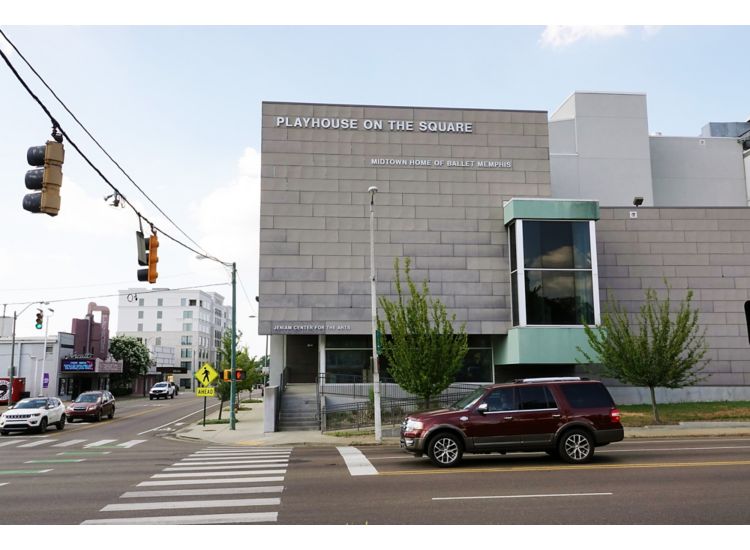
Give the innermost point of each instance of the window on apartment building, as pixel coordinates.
(552, 272)
(192, 302)
(187, 314)
(186, 340)
(183, 302)
(160, 302)
(158, 327)
(157, 341)
(140, 314)
(185, 365)
(186, 353)
(159, 314)
(187, 327)
(140, 302)
(140, 327)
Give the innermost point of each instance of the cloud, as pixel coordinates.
(559, 36)
(228, 227)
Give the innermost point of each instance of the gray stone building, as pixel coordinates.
(521, 225)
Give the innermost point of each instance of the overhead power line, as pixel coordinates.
(56, 125)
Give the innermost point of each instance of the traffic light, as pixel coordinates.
(240, 375)
(47, 178)
(227, 375)
(39, 319)
(148, 255)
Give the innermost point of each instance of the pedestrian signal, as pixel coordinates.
(227, 375)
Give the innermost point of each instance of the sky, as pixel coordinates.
(179, 108)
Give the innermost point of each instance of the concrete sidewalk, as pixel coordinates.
(249, 431)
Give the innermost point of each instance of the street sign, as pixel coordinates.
(206, 374)
(205, 392)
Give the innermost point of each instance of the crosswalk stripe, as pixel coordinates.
(100, 443)
(217, 474)
(203, 492)
(235, 448)
(230, 455)
(220, 462)
(69, 443)
(1, 484)
(191, 468)
(357, 462)
(235, 480)
(6, 443)
(131, 443)
(37, 443)
(262, 517)
(186, 504)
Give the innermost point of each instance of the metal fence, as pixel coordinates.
(395, 403)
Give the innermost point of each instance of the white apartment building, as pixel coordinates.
(192, 322)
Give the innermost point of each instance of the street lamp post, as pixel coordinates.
(373, 291)
(232, 383)
(13, 352)
(44, 352)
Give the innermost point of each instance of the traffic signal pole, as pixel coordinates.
(233, 383)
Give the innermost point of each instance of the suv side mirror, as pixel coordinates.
(481, 409)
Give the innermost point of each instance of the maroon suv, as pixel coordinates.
(564, 417)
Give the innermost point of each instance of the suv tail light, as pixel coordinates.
(614, 415)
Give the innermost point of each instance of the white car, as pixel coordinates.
(35, 413)
(161, 389)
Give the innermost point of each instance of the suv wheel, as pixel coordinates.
(61, 424)
(445, 450)
(576, 447)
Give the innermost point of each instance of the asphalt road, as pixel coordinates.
(131, 470)
(65, 477)
(695, 481)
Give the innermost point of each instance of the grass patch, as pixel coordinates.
(351, 434)
(673, 413)
(216, 421)
(252, 401)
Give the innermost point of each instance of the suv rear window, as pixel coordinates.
(586, 396)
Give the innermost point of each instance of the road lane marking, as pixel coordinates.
(99, 443)
(204, 492)
(357, 462)
(55, 460)
(70, 443)
(186, 504)
(235, 480)
(222, 462)
(37, 443)
(131, 443)
(5, 443)
(570, 467)
(526, 496)
(263, 517)
(199, 411)
(216, 474)
(240, 453)
(190, 468)
(1, 484)
(13, 472)
(85, 453)
(674, 449)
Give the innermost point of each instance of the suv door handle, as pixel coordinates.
(555, 416)
(508, 418)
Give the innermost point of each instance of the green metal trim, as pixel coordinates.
(549, 209)
(542, 345)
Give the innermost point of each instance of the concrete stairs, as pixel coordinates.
(299, 408)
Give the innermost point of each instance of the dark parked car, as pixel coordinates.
(566, 417)
(93, 405)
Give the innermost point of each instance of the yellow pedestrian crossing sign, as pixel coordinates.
(206, 374)
(205, 392)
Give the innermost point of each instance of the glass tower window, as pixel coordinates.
(556, 272)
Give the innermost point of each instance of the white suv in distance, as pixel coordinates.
(35, 413)
(161, 389)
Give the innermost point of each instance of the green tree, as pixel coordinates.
(136, 361)
(424, 352)
(659, 350)
(244, 362)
